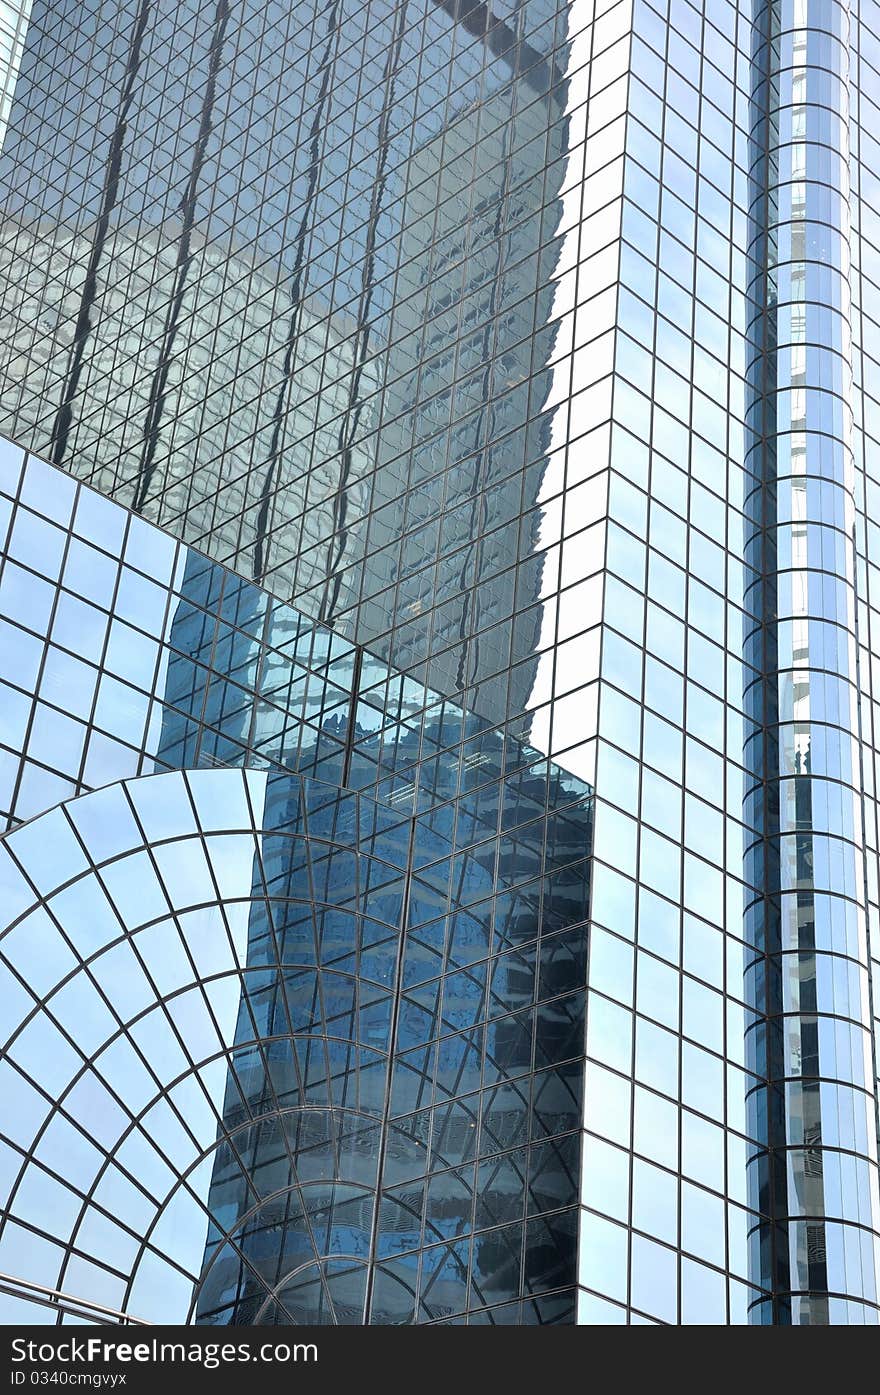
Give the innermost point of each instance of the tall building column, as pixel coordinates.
(812, 1107)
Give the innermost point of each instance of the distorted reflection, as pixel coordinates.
(261, 1061)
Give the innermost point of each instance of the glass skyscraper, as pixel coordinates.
(440, 513)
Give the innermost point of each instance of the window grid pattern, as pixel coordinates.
(14, 16)
(124, 653)
(230, 1034)
(278, 389)
(865, 313)
(808, 971)
(664, 1233)
(489, 340)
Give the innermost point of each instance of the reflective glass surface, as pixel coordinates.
(253, 1077)
(529, 350)
(124, 653)
(864, 313)
(807, 954)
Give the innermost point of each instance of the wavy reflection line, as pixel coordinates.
(109, 198)
(354, 407)
(325, 68)
(187, 206)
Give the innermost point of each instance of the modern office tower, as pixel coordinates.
(438, 658)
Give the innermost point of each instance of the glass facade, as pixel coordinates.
(438, 461)
(13, 26)
(806, 926)
(241, 1094)
(124, 653)
(376, 1012)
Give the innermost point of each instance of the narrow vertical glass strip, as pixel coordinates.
(815, 1245)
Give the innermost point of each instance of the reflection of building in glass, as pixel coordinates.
(347, 1130)
(363, 1187)
(462, 414)
(125, 653)
(397, 1071)
(199, 363)
(527, 349)
(130, 406)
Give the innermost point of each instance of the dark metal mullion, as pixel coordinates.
(351, 417)
(325, 67)
(110, 193)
